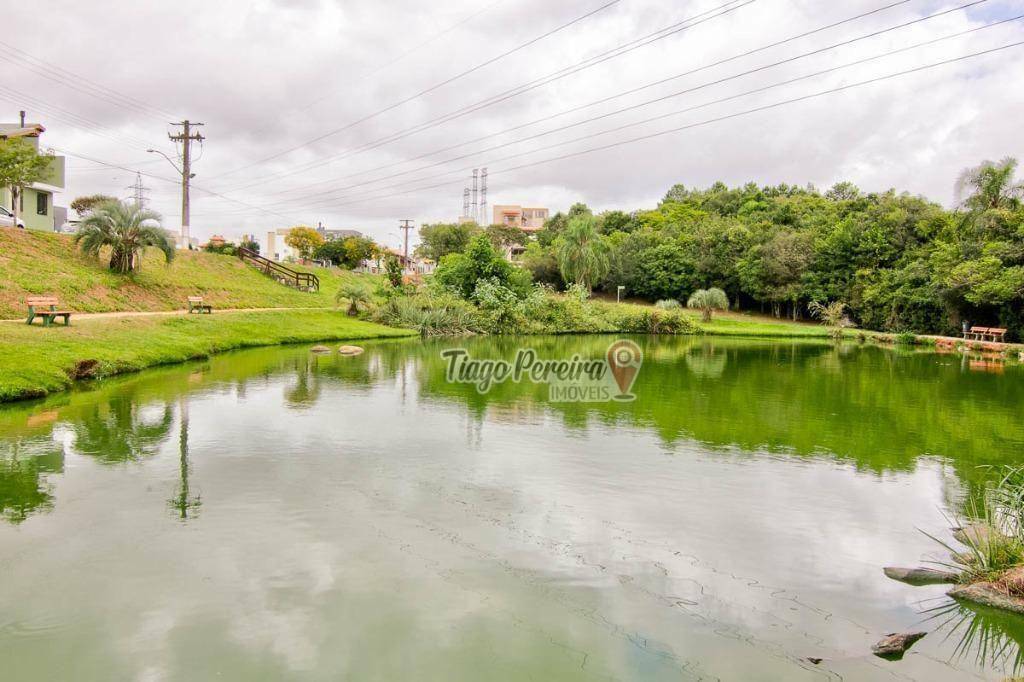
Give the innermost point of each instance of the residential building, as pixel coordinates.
(276, 249)
(526, 218)
(331, 235)
(35, 206)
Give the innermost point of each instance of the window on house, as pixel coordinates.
(41, 203)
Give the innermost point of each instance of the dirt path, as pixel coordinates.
(156, 313)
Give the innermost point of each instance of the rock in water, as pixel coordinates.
(350, 350)
(976, 535)
(319, 349)
(920, 576)
(895, 644)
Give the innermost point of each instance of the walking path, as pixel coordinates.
(155, 313)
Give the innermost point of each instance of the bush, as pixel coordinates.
(668, 304)
(430, 315)
(461, 272)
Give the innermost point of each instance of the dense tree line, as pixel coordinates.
(899, 262)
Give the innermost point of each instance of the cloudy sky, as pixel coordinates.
(358, 113)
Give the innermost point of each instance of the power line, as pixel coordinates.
(75, 120)
(705, 122)
(623, 93)
(75, 81)
(600, 58)
(175, 181)
(670, 96)
(398, 57)
(428, 90)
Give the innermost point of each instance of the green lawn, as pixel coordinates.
(39, 263)
(35, 361)
(739, 324)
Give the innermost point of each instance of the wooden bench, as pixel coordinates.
(997, 335)
(45, 307)
(994, 334)
(196, 305)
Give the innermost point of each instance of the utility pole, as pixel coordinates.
(406, 226)
(186, 137)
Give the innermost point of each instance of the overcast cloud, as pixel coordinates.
(269, 76)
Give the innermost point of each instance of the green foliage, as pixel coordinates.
(668, 304)
(581, 252)
(250, 244)
(393, 271)
(542, 264)
(356, 294)
(707, 301)
(461, 272)
(127, 230)
(506, 236)
(832, 315)
(305, 240)
(21, 165)
(442, 239)
(348, 253)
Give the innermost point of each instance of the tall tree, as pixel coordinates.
(21, 164)
(84, 204)
(441, 239)
(305, 240)
(582, 254)
(991, 185)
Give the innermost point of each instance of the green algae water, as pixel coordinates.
(278, 515)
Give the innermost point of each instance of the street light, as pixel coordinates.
(185, 241)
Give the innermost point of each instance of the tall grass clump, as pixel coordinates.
(992, 530)
(668, 304)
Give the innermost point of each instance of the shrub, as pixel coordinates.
(461, 272)
(356, 294)
(668, 304)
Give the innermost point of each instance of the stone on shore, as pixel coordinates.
(920, 576)
(895, 644)
(988, 594)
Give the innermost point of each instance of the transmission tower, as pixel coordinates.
(476, 190)
(484, 220)
(465, 202)
(138, 191)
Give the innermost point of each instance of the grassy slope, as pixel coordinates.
(39, 263)
(35, 361)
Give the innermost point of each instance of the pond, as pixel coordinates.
(273, 514)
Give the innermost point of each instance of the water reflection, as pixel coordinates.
(24, 489)
(989, 637)
(731, 521)
(121, 429)
(184, 502)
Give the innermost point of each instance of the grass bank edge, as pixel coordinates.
(35, 362)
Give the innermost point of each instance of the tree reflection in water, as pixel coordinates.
(118, 431)
(23, 487)
(184, 502)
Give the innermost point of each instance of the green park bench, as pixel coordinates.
(196, 305)
(45, 307)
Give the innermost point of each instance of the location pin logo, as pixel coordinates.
(624, 360)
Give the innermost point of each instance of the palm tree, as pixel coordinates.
(832, 315)
(708, 300)
(582, 254)
(357, 295)
(127, 229)
(991, 185)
